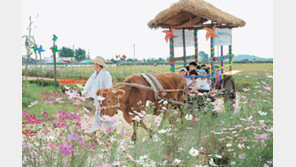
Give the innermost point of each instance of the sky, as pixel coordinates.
(108, 28)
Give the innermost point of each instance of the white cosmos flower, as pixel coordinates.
(212, 162)
(193, 152)
(165, 102)
(262, 113)
(162, 131)
(233, 163)
(100, 98)
(250, 118)
(148, 103)
(176, 161)
(218, 156)
(228, 145)
(188, 117)
(136, 118)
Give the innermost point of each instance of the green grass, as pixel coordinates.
(33, 92)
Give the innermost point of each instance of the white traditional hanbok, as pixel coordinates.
(97, 81)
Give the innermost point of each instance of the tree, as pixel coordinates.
(202, 56)
(29, 42)
(129, 60)
(80, 54)
(66, 52)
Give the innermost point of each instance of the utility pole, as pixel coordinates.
(134, 54)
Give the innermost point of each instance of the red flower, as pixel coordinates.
(174, 123)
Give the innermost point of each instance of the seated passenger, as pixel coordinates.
(191, 81)
(203, 83)
(183, 71)
(192, 66)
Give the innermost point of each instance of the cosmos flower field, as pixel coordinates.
(57, 130)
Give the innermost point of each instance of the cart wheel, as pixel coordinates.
(229, 85)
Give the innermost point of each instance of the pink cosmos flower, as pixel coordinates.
(48, 102)
(242, 156)
(92, 146)
(63, 114)
(261, 136)
(45, 114)
(73, 136)
(75, 116)
(45, 131)
(33, 119)
(25, 113)
(116, 163)
(174, 124)
(123, 133)
(78, 124)
(61, 123)
(228, 145)
(66, 148)
(29, 133)
(33, 103)
(81, 142)
(86, 110)
(53, 145)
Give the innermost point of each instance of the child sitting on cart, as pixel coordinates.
(203, 83)
(191, 81)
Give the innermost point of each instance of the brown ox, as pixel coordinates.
(127, 98)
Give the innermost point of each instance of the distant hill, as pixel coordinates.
(250, 58)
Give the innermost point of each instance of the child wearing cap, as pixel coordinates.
(183, 71)
(203, 83)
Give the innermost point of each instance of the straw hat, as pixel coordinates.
(100, 61)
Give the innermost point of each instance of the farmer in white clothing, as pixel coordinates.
(100, 79)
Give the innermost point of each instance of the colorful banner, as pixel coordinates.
(224, 37)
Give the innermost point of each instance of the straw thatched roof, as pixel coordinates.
(193, 14)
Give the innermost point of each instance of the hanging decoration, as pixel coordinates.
(169, 34)
(124, 56)
(210, 32)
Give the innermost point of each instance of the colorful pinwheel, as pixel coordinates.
(54, 49)
(40, 49)
(210, 32)
(124, 56)
(54, 37)
(169, 34)
(34, 48)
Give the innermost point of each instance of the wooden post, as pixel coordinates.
(184, 47)
(196, 46)
(54, 66)
(36, 66)
(212, 63)
(222, 63)
(230, 57)
(172, 58)
(41, 76)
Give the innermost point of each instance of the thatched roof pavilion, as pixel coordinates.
(192, 14)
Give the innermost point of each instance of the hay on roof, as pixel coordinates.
(193, 14)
